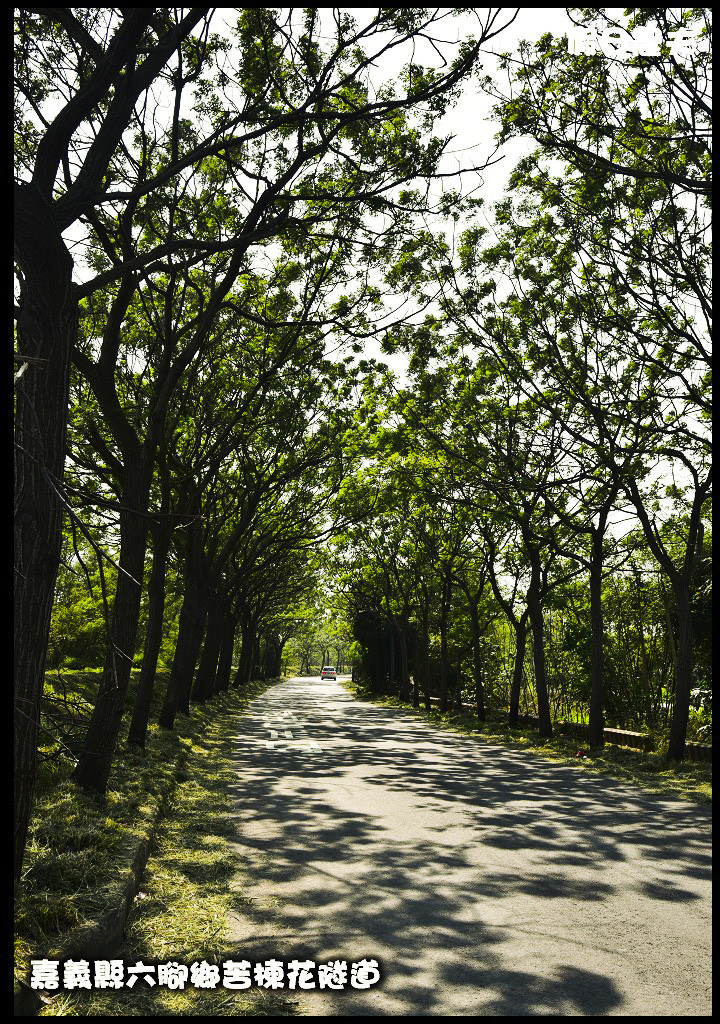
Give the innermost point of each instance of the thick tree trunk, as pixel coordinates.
(538, 631)
(190, 629)
(277, 653)
(222, 679)
(683, 670)
(204, 686)
(153, 636)
(521, 631)
(254, 654)
(93, 768)
(682, 654)
(46, 329)
(426, 671)
(194, 647)
(248, 653)
(269, 659)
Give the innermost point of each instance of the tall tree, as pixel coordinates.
(245, 119)
(96, 67)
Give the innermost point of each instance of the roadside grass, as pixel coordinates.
(181, 911)
(77, 842)
(78, 858)
(686, 780)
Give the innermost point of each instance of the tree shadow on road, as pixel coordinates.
(436, 852)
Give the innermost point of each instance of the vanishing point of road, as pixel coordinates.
(485, 881)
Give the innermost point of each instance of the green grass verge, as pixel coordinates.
(686, 780)
(79, 845)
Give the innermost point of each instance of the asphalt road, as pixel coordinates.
(485, 881)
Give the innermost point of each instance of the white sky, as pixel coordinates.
(470, 120)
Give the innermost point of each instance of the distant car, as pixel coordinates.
(328, 672)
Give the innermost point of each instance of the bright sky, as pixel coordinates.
(470, 120)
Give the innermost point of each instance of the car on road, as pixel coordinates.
(328, 672)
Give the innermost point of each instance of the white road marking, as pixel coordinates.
(284, 721)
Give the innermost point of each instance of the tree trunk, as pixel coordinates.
(204, 686)
(254, 654)
(458, 681)
(222, 680)
(194, 647)
(683, 671)
(242, 676)
(521, 631)
(190, 629)
(153, 637)
(404, 672)
(477, 663)
(275, 665)
(46, 329)
(426, 652)
(444, 614)
(93, 768)
(597, 690)
(538, 631)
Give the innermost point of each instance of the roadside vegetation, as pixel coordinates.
(80, 850)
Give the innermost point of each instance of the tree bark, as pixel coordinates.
(93, 768)
(404, 672)
(195, 642)
(153, 638)
(683, 670)
(477, 661)
(254, 653)
(458, 680)
(521, 631)
(426, 649)
(204, 687)
(189, 629)
(538, 631)
(247, 652)
(444, 615)
(46, 329)
(222, 679)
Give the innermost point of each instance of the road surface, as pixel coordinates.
(485, 881)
